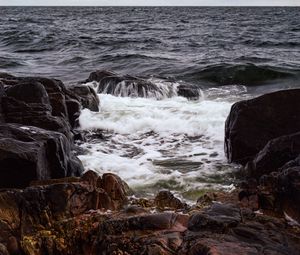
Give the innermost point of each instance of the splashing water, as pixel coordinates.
(154, 144)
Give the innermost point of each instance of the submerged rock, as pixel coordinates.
(251, 124)
(131, 86)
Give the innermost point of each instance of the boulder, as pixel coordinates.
(87, 95)
(29, 92)
(26, 95)
(29, 153)
(251, 124)
(188, 91)
(99, 75)
(274, 155)
(218, 218)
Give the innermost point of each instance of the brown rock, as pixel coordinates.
(165, 199)
(116, 189)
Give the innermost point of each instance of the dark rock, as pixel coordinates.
(189, 92)
(288, 192)
(99, 75)
(5, 76)
(33, 92)
(209, 246)
(129, 86)
(275, 155)
(219, 217)
(251, 124)
(29, 103)
(60, 110)
(88, 97)
(30, 153)
(158, 221)
(292, 163)
(165, 199)
(1, 95)
(73, 108)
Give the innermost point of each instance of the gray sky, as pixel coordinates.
(151, 2)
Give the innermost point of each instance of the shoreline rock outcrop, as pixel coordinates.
(37, 117)
(79, 216)
(263, 135)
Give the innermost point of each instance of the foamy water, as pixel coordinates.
(154, 144)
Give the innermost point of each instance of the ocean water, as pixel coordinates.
(170, 142)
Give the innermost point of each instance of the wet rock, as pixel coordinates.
(116, 189)
(99, 75)
(1, 95)
(3, 250)
(158, 221)
(73, 108)
(274, 155)
(58, 112)
(206, 199)
(29, 103)
(30, 153)
(289, 192)
(165, 199)
(210, 246)
(188, 91)
(88, 97)
(251, 124)
(90, 177)
(219, 217)
(292, 163)
(29, 93)
(129, 86)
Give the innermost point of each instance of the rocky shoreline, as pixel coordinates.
(48, 205)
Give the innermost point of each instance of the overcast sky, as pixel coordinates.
(150, 2)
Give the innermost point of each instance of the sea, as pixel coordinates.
(168, 142)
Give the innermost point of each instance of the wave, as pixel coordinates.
(242, 74)
(286, 44)
(8, 62)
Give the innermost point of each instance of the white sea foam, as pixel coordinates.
(171, 143)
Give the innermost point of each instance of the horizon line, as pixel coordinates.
(150, 5)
